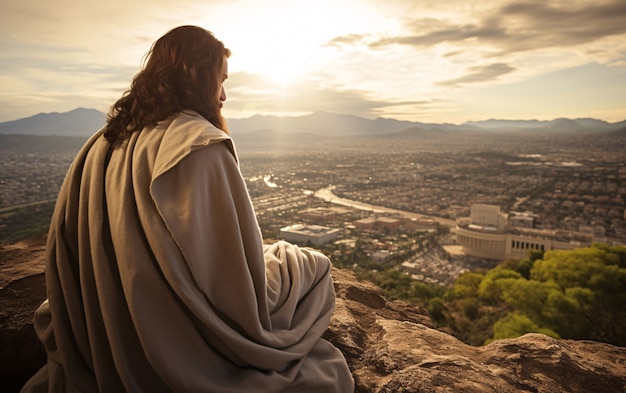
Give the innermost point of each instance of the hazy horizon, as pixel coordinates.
(347, 114)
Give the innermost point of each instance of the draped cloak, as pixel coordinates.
(158, 280)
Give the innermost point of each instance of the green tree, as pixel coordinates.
(582, 267)
(436, 308)
(593, 285)
(563, 312)
(618, 253)
(515, 325)
(528, 297)
(421, 291)
(523, 266)
(466, 285)
(396, 284)
(469, 307)
(491, 287)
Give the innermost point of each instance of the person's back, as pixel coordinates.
(156, 272)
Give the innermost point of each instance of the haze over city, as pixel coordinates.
(448, 61)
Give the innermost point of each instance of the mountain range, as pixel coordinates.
(84, 122)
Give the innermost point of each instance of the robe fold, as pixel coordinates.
(158, 279)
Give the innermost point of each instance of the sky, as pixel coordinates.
(433, 61)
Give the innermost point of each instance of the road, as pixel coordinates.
(327, 195)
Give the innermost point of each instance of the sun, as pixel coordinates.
(281, 41)
(279, 56)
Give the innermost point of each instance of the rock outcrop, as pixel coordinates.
(390, 346)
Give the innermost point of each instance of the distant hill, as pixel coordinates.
(34, 143)
(78, 122)
(427, 133)
(84, 122)
(560, 125)
(321, 123)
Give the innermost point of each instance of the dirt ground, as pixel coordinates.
(21, 259)
(22, 289)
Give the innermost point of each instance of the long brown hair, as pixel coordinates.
(181, 72)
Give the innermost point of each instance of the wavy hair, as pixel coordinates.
(181, 72)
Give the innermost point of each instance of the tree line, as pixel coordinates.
(570, 294)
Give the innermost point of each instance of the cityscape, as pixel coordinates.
(393, 199)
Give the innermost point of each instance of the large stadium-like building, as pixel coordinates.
(491, 234)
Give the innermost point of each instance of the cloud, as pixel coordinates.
(480, 74)
(348, 39)
(448, 33)
(253, 93)
(517, 27)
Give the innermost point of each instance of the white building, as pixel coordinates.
(304, 234)
(381, 256)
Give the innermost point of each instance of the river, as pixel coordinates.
(327, 195)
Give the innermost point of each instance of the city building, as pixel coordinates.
(381, 256)
(376, 223)
(316, 235)
(318, 214)
(490, 234)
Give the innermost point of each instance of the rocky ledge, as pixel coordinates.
(390, 345)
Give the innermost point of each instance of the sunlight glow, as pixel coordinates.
(286, 40)
(282, 60)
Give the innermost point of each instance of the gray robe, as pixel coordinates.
(158, 279)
